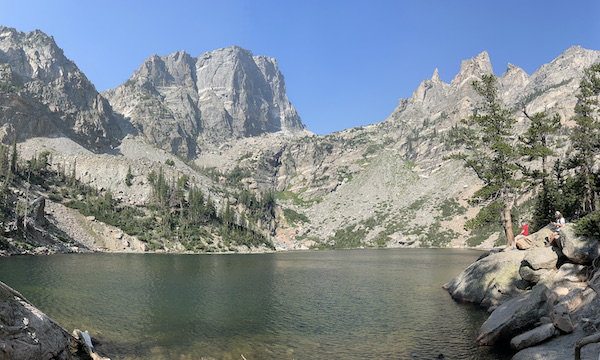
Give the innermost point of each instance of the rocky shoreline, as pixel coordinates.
(542, 300)
(27, 333)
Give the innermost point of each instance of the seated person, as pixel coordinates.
(522, 242)
(558, 224)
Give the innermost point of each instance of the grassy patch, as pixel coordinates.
(451, 208)
(293, 217)
(350, 237)
(417, 205)
(295, 198)
(373, 149)
(435, 237)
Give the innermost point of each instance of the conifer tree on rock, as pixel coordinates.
(486, 141)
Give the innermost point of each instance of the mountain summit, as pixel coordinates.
(180, 102)
(45, 94)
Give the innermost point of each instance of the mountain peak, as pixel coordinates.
(472, 69)
(436, 75)
(222, 94)
(65, 97)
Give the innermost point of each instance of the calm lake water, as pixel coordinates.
(351, 304)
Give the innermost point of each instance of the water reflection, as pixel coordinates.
(369, 304)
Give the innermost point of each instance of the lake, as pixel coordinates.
(343, 304)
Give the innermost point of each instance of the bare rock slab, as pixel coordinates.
(533, 337)
(490, 281)
(515, 316)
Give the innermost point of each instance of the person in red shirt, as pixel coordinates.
(525, 231)
(522, 242)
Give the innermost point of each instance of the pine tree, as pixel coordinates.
(487, 149)
(534, 146)
(128, 177)
(14, 156)
(585, 135)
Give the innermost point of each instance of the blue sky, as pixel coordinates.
(346, 63)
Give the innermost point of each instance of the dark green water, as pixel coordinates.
(354, 304)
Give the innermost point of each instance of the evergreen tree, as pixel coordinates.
(535, 145)
(210, 210)
(14, 156)
(196, 207)
(585, 135)
(486, 137)
(535, 142)
(128, 177)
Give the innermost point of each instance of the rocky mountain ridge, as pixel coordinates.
(180, 102)
(226, 112)
(332, 178)
(45, 94)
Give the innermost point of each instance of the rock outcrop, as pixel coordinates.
(490, 281)
(564, 299)
(27, 333)
(180, 102)
(45, 94)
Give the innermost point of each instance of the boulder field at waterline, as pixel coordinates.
(542, 300)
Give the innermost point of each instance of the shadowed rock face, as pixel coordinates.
(45, 94)
(26, 333)
(178, 101)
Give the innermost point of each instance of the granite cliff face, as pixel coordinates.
(45, 94)
(392, 173)
(180, 102)
(387, 181)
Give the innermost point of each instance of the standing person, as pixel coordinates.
(558, 224)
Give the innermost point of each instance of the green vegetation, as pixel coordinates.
(176, 211)
(451, 208)
(571, 186)
(128, 177)
(481, 233)
(487, 149)
(418, 204)
(295, 198)
(348, 238)
(373, 149)
(435, 237)
(6, 87)
(535, 145)
(539, 92)
(293, 217)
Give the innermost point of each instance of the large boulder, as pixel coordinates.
(537, 263)
(515, 316)
(490, 281)
(26, 333)
(533, 337)
(578, 249)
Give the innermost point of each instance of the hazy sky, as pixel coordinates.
(346, 63)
